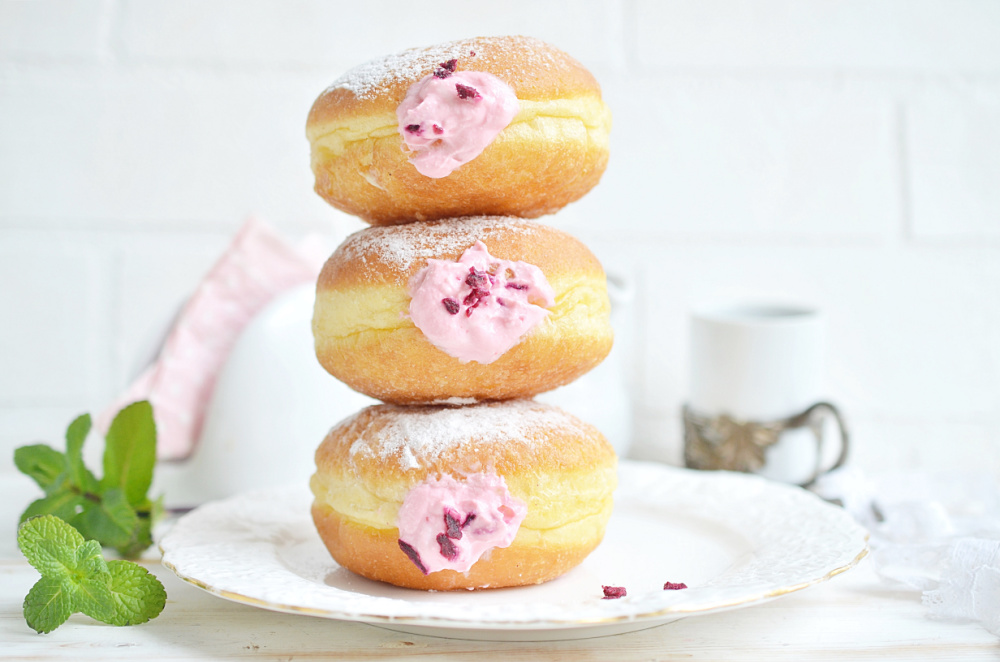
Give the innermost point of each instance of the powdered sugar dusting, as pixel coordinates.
(367, 79)
(401, 247)
(412, 64)
(419, 435)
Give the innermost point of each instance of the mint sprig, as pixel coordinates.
(114, 510)
(76, 578)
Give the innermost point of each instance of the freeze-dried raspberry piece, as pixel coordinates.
(453, 524)
(446, 69)
(414, 556)
(414, 128)
(448, 549)
(451, 305)
(477, 279)
(467, 92)
(670, 586)
(613, 592)
(473, 297)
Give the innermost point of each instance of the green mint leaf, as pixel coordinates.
(110, 521)
(138, 594)
(154, 508)
(43, 464)
(92, 596)
(50, 546)
(78, 474)
(130, 452)
(75, 576)
(150, 512)
(48, 604)
(115, 511)
(64, 505)
(89, 561)
(142, 538)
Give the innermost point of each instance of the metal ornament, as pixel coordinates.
(723, 442)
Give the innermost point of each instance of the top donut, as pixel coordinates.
(492, 125)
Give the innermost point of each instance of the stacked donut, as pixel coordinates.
(455, 310)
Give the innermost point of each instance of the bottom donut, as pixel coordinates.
(444, 498)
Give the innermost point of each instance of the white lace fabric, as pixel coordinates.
(934, 533)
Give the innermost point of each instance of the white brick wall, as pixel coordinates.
(918, 36)
(727, 157)
(845, 153)
(54, 30)
(953, 132)
(55, 297)
(327, 36)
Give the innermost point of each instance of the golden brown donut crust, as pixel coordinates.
(552, 153)
(365, 338)
(561, 467)
(375, 554)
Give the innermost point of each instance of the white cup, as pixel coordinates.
(756, 373)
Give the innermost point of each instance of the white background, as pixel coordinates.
(844, 153)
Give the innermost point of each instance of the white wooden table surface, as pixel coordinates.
(851, 617)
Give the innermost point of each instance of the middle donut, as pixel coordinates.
(461, 310)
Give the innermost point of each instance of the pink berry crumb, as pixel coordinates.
(670, 586)
(467, 92)
(413, 555)
(476, 278)
(446, 69)
(473, 298)
(448, 549)
(613, 592)
(453, 524)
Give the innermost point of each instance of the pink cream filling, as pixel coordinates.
(445, 524)
(479, 307)
(447, 121)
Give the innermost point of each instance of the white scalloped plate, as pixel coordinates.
(734, 539)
